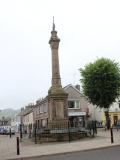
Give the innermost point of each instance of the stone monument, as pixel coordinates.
(57, 97)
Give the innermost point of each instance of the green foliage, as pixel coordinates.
(101, 82)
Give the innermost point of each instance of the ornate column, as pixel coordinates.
(57, 97)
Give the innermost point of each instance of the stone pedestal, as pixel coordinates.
(57, 104)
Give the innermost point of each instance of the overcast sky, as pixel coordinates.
(88, 29)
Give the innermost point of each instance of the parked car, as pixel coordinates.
(3, 131)
(6, 130)
(12, 131)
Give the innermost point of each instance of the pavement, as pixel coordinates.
(29, 149)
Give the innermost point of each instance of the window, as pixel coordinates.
(37, 110)
(71, 104)
(45, 108)
(41, 109)
(75, 104)
(119, 103)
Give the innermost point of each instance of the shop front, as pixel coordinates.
(114, 117)
(77, 118)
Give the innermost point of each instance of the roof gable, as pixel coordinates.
(73, 92)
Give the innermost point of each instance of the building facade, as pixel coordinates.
(114, 117)
(27, 118)
(77, 111)
(41, 113)
(114, 112)
(77, 105)
(98, 114)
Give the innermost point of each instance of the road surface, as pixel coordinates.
(111, 153)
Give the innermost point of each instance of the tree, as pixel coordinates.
(101, 83)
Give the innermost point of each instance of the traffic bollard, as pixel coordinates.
(69, 132)
(18, 146)
(10, 132)
(111, 131)
(35, 135)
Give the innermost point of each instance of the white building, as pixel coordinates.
(15, 123)
(98, 114)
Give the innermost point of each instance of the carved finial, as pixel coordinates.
(53, 24)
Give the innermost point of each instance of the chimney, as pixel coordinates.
(22, 109)
(77, 87)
